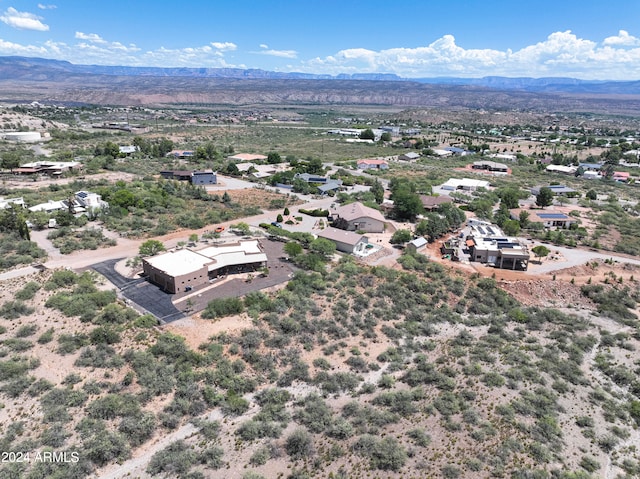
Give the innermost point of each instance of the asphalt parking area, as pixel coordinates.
(139, 291)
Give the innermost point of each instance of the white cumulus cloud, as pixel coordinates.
(278, 53)
(23, 20)
(560, 54)
(622, 39)
(224, 47)
(91, 37)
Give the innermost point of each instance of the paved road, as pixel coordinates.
(573, 257)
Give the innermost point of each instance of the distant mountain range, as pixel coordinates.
(39, 68)
(27, 79)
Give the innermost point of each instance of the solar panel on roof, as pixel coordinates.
(552, 215)
(482, 232)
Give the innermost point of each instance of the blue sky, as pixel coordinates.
(588, 39)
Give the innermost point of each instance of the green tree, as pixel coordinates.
(12, 219)
(509, 197)
(592, 195)
(378, 191)
(274, 158)
(323, 247)
(523, 218)
(401, 236)
(367, 134)
(386, 136)
(279, 218)
(151, 247)
(315, 166)
(10, 159)
(406, 204)
(544, 197)
(540, 251)
(511, 227)
(293, 249)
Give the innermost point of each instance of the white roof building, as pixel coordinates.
(467, 184)
(5, 202)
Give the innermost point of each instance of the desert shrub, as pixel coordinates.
(341, 429)
(17, 345)
(385, 454)
(114, 405)
(105, 447)
(99, 356)
(234, 405)
(145, 321)
(54, 436)
(39, 386)
(15, 388)
(315, 414)
(420, 437)
(26, 330)
(255, 429)
(28, 291)
(115, 314)
(174, 460)
(299, 444)
(220, 307)
(85, 303)
(15, 309)
(212, 457)
(61, 279)
(104, 335)
(16, 367)
(450, 472)
(70, 343)
(400, 402)
(138, 428)
(260, 456)
(46, 337)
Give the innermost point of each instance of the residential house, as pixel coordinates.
(621, 176)
(53, 168)
(359, 217)
(244, 157)
(465, 184)
(206, 177)
(331, 186)
(346, 241)
(430, 203)
(88, 201)
(409, 156)
(562, 169)
(548, 218)
(557, 190)
(127, 149)
(6, 202)
(184, 269)
(180, 154)
(372, 164)
(178, 175)
(491, 166)
(486, 244)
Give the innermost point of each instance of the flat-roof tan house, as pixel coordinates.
(185, 269)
